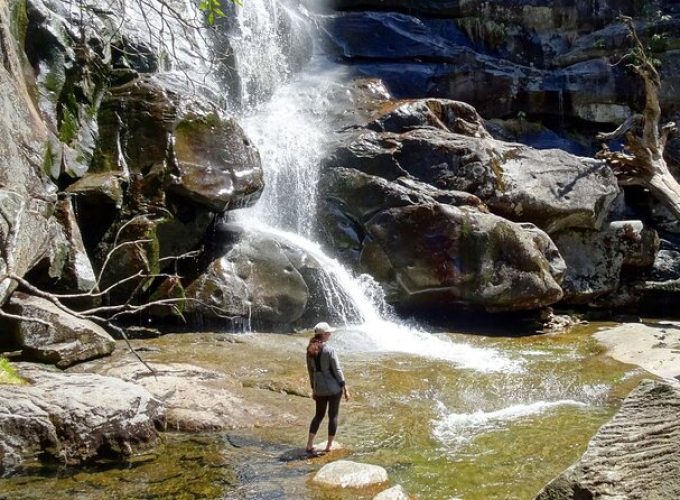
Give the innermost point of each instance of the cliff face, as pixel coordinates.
(28, 196)
(123, 152)
(538, 58)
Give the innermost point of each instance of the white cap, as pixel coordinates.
(323, 327)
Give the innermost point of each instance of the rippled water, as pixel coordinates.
(441, 430)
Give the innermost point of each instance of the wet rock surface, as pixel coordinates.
(74, 417)
(635, 455)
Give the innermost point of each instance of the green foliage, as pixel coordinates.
(658, 43)
(68, 129)
(7, 373)
(213, 9)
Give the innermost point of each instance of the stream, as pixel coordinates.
(448, 414)
(441, 431)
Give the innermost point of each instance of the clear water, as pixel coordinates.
(440, 430)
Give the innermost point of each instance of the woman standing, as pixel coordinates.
(328, 384)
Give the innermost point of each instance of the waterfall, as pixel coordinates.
(286, 116)
(261, 62)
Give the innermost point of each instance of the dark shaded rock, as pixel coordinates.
(635, 455)
(129, 248)
(218, 166)
(659, 286)
(68, 339)
(441, 255)
(351, 198)
(534, 58)
(595, 259)
(253, 279)
(73, 418)
(136, 122)
(78, 275)
(453, 116)
(385, 36)
(105, 188)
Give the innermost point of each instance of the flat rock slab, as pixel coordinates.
(634, 456)
(197, 399)
(73, 417)
(653, 346)
(348, 474)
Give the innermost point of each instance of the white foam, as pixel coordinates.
(454, 429)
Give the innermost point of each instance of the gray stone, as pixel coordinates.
(549, 188)
(433, 255)
(394, 493)
(196, 399)
(595, 258)
(72, 418)
(68, 339)
(347, 474)
(634, 456)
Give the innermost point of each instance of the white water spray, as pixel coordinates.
(291, 131)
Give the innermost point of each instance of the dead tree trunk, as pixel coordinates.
(642, 163)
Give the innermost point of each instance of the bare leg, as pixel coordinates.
(329, 444)
(310, 442)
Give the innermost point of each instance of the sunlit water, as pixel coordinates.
(440, 430)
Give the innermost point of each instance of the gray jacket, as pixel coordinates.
(325, 373)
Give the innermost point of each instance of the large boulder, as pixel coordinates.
(435, 254)
(351, 198)
(550, 188)
(72, 418)
(262, 280)
(66, 341)
(218, 167)
(635, 455)
(596, 259)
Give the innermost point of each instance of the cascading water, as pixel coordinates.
(286, 116)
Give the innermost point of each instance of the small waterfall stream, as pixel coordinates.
(286, 117)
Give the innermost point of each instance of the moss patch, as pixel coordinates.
(8, 375)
